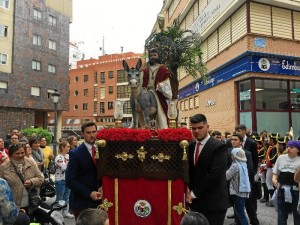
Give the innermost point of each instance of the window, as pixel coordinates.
(36, 65)
(110, 90)
(102, 93)
(3, 30)
(85, 106)
(245, 95)
(50, 92)
(295, 94)
(52, 45)
(186, 104)
(191, 102)
(37, 40)
(3, 59)
(271, 94)
(127, 108)
(52, 21)
(121, 76)
(76, 93)
(110, 74)
(95, 92)
(95, 107)
(123, 91)
(3, 87)
(37, 14)
(102, 77)
(51, 68)
(76, 79)
(85, 78)
(110, 105)
(85, 92)
(102, 107)
(35, 91)
(95, 78)
(75, 107)
(196, 101)
(182, 105)
(4, 3)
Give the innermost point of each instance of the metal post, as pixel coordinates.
(55, 130)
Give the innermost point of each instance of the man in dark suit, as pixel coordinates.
(250, 145)
(208, 192)
(81, 173)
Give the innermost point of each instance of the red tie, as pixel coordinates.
(93, 154)
(197, 152)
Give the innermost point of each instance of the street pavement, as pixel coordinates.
(266, 216)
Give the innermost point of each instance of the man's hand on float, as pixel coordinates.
(96, 196)
(189, 198)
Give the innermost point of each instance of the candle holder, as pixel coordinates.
(118, 113)
(172, 112)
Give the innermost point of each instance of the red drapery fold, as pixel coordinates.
(162, 195)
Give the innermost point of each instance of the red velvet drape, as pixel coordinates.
(129, 191)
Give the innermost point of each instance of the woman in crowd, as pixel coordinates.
(72, 141)
(47, 151)
(21, 166)
(61, 163)
(283, 179)
(37, 153)
(239, 186)
(28, 151)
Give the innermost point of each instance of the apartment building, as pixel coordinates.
(94, 86)
(252, 53)
(34, 58)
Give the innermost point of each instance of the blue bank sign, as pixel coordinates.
(245, 63)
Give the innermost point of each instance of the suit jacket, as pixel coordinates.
(208, 177)
(81, 178)
(250, 145)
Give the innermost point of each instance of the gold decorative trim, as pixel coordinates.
(124, 156)
(169, 201)
(116, 201)
(141, 153)
(184, 144)
(161, 157)
(180, 209)
(105, 205)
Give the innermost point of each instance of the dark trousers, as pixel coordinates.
(22, 219)
(251, 205)
(77, 212)
(215, 217)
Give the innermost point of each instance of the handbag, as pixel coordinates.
(34, 198)
(257, 190)
(51, 167)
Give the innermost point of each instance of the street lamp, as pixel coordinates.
(55, 98)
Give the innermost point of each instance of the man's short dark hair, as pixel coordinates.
(153, 50)
(87, 124)
(194, 218)
(239, 136)
(215, 133)
(240, 127)
(198, 118)
(92, 217)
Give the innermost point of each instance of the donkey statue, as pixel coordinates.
(142, 102)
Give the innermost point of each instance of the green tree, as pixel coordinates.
(40, 132)
(179, 49)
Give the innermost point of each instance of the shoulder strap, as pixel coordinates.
(19, 175)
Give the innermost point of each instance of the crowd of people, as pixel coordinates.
(234, 169)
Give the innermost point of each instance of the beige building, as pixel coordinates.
(252, 53)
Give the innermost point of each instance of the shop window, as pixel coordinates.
(273, 122)
(245, 95)
(295, 94)
(271, 94)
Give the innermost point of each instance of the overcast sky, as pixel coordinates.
(126, 23)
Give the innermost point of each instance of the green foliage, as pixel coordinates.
(40, 132)
(179, 49)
